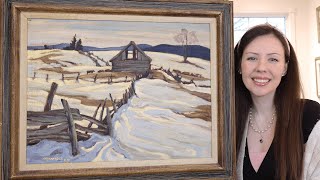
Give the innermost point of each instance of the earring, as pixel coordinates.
(239, 72)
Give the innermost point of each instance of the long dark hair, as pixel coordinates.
(288, 138)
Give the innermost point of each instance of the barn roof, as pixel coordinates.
(133, 44)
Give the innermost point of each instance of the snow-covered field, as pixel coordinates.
(150, 126)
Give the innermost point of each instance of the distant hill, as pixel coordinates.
(86, 48)
(196, 51)
(193, 50)
(63, 45)
(90, 48)
(56, 46)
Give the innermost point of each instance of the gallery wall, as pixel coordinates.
(301, 31)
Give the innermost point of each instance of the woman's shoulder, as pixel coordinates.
(311, 115)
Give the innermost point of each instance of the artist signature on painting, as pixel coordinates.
(50, 159)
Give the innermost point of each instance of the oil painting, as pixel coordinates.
(136, 90)
(119, 89)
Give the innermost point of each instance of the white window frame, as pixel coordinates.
(289, 22)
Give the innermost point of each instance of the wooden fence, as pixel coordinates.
(177, 77)
(110, 79)
(94, 58)
(63, 125)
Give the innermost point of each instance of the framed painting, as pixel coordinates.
(317, 65)
(135, 89)
(318, 22)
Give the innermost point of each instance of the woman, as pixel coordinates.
(278, 136)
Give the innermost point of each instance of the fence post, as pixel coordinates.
(102, 110)
(51, 94)
(133, 89)
(77, 79)
(72, 129)
(95, 78)
(94, 116)
(108, 121)
(50, 97)
(113, 103)
(126, 96)
(123, 98)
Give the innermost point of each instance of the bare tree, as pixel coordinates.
(186, 38)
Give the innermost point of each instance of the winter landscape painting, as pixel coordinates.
(119, 91)
(114, 89)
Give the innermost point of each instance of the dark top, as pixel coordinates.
(311, 114)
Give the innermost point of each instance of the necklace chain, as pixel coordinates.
(252, 121)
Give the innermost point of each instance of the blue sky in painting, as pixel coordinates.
(107, 33)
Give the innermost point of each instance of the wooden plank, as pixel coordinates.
(92, 130)
(94, 115)
(72, 129)
(85, 117)
(50, 117)
(54, 137)
(50, 130)
(82, 136)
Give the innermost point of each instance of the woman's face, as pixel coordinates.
(263, 65)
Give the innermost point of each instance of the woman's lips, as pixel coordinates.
(261, 81)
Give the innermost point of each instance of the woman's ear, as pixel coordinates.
(285, 69)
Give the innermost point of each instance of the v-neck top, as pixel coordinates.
(266, 170)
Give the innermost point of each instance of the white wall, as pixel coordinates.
(303, 32)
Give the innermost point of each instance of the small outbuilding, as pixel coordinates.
(131, 59)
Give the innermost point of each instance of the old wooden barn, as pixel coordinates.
(131, 59)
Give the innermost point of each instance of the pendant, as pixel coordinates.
(261, 140)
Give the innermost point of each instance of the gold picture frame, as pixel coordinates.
(16, 35)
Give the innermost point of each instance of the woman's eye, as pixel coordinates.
(273, 60)
(251, 58)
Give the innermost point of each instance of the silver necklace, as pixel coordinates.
(258, 130)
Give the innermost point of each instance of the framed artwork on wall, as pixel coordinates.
(138, 89)
(317, 65)
(318, 22)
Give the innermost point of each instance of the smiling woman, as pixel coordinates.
(273, 122)
(263, 66)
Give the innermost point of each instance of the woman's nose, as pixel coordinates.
(261, 66)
